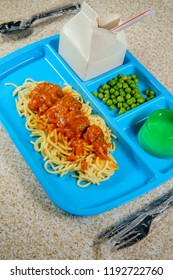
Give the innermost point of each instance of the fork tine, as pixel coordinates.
(125, 238)
(130, 242)
(115, 230)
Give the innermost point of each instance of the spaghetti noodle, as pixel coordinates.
(68, 136)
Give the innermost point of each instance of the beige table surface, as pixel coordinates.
(31, 226)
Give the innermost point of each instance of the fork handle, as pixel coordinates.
(56, 11)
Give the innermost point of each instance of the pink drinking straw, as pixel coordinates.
(133, 20)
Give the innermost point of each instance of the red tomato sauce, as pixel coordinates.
(63, 112)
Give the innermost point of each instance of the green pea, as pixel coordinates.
(112, 107)
(122, 93)
(119, 104)
(151, 93)
(128, 96)
(129, 102)
(100, 90)
(105, 86)
(101, 95)
(112, 82)
(146, 91)
(114, 101)
(106, 91)
(119, 85)
(116, 93)
(137, 95)
(107, 95)
(133, 76)
(128, 108)
(133, 92)
(122, 111)
(125, 105)
(120, 99)
(95, 93)
(112, 90)
(133, 100)
(121, 80)
(120, 75)
(151, 97)
(104, 100)
(133, 105)
(136, 80)
(128, 90)
(109, 102)
(125, 85)
(132, 85)
(112, 96)
(129, 81)
(141, 100)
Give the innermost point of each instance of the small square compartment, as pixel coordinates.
(143, 84)
(131, 125)
(54, 45)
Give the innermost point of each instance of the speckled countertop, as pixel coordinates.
(31, 226)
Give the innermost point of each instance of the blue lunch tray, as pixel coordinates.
(138, 171)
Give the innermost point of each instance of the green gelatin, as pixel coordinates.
(156, 135)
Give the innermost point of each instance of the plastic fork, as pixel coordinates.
(136, 227)
(17, 26)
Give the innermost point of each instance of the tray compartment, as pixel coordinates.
(144, 83)
(132, 123)
(20, 59)
(54, 44)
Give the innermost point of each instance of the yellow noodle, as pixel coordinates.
(54, 146)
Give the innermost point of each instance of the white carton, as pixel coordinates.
(89, 50)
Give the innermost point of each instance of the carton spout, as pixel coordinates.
(109, 22)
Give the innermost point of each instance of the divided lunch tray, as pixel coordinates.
(138, 171)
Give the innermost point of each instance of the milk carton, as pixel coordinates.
(88, 49)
